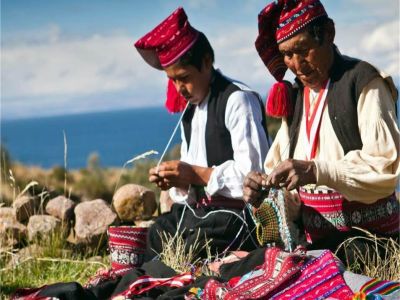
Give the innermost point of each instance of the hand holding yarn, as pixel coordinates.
(177, 173)
(255, 188)
(292, 173)
(158, 180)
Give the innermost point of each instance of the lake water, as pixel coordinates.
(115, 136)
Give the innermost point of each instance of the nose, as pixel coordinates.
(298, 61)
(179, 85)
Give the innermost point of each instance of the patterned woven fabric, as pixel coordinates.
(102, 275)
(320, 279)
(376, 288)
(30, 294)
(146, 283)
(127, 245)
(278, 271)
(285, 276)
(327, 211)
(272, 222)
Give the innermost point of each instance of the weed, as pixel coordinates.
(373, 256)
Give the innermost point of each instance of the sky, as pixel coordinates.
(76, 56)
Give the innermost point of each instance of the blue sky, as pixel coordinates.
(70, 56)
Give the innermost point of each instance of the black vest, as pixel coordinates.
(348, 77)
(218, 138)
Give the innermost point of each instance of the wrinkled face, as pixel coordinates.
(193, 84)
(308, 60)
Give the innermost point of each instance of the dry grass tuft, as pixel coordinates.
(175, 256)
(373, 256)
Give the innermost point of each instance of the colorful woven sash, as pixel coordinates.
(327, 211)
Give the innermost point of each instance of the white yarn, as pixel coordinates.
(172, 136)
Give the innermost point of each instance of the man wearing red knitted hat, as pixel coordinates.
(338, 146)
(223, 138)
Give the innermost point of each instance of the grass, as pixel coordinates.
(49, 261)
(373, 256)
(175, 256)
(42, 271)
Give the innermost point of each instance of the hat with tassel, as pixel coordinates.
(277, 22)
(164, 45)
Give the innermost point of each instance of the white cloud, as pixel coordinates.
(44, 73)
(72, 67)
(379, 46)
(237, 57)
(373, 8)
(383, 45)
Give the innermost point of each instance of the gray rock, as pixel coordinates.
(11, 231)
(42, 226)
(61, 208)
(92, 219)
(165, 202)
(25, 206)
(134, 202)
(7, 212)
(146, 224)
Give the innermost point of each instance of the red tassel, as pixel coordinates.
(175, 102)
(278, 101)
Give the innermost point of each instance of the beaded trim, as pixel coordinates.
(297, 29)
(271, 221)
(296, 15)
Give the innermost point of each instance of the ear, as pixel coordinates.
(207, 61)
(330, 31)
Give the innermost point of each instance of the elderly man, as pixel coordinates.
(338, 146)
(223, 138)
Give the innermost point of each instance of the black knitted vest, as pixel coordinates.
(218, 138)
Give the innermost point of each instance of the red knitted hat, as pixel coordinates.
(277, 22)
(164, 45)
(168, 41)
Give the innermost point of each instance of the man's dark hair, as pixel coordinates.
(196, 54)
(317, 28)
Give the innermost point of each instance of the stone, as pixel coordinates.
(165, 202)
(7, 212)
(42, 226)
(25, 206)
(145, 224)
(92, 219)
(134, 202)
(61, 208)
(11, 231)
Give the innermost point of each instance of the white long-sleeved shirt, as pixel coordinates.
(243, 119)
(364, 175)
